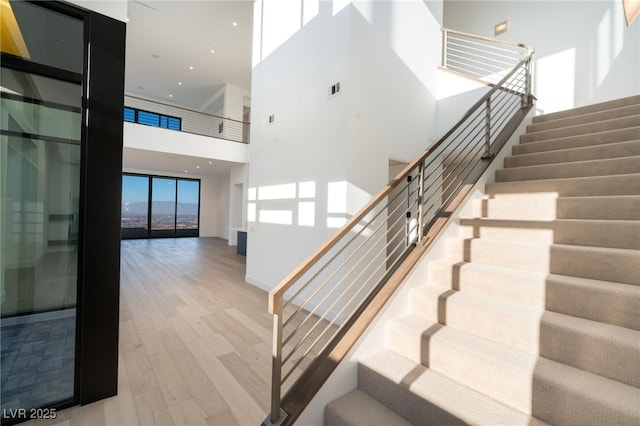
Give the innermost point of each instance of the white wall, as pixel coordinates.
(170, 141)
(384, 55)
(116, 9)
(584, 52)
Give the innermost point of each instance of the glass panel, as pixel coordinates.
(163, 121)
(135, 206)
(39, 210)
(163, 207)
(187, 208)
(130, 115)
(148, 118)
(175, 123)
(43, 36)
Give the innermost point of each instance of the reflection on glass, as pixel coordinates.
(187, 206)
(163, 207)
(135, 206)
(39, 210)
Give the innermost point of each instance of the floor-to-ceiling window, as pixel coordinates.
(159, 206)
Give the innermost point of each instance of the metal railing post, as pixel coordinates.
(444, 47)
(420, 202)
(487, 130)
(526, 98)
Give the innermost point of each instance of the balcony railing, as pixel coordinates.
(196, 122)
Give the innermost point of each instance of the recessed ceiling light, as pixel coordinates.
(212, 51)
(235, 24)
(197, 167)
(210, 162)
(191, 68)
(171, 96)
(128, 19)
(179, 83)
(186, 171)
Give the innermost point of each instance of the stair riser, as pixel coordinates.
(509, 380)
(515, 330)
(499, 284)
(614, 150)
(606, 302)
(533, 208)
(594, 233)
(585, 118)
(573, 187)
(583, 129)
(510, 386)
(580, 141)
(589, 109)
(552, 335)
(615, 265)
(402, 400)
(603, 301)
(558, 402)
(612, 350)
(608, 167)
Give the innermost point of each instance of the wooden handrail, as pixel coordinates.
(276, 295)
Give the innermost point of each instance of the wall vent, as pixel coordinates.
(334, 89)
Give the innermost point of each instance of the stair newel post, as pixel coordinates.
(276, 367)
(420, 202)
(487, 130)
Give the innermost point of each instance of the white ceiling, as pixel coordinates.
(164, 39)
(173, 164)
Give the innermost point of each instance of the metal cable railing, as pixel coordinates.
(316, 301)
(196, 122)
(482, 58)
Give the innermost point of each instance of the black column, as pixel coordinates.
(99, 289)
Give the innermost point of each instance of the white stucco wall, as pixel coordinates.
(384, 55)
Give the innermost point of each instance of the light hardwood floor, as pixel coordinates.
(195, 340)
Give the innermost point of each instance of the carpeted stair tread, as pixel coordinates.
(605, 301)
(596, 152)
(568, 187)
(585, 232)
(588, 109)
(575, 169)
(424, 396)
(616, 207)
(582, 129)
(579, 141)
(591, 117)
(357, 408)
(600, 263)
(512, 376)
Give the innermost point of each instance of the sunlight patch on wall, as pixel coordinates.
(310, 9)
(280, 20)
(285, 191)
(278, 217)
(307, 189)
(555, 81)
(251, 212)
(306, 213)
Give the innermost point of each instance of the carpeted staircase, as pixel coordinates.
(534, 317)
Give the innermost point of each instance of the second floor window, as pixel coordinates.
(134, 115)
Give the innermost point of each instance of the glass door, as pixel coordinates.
(40, 127)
